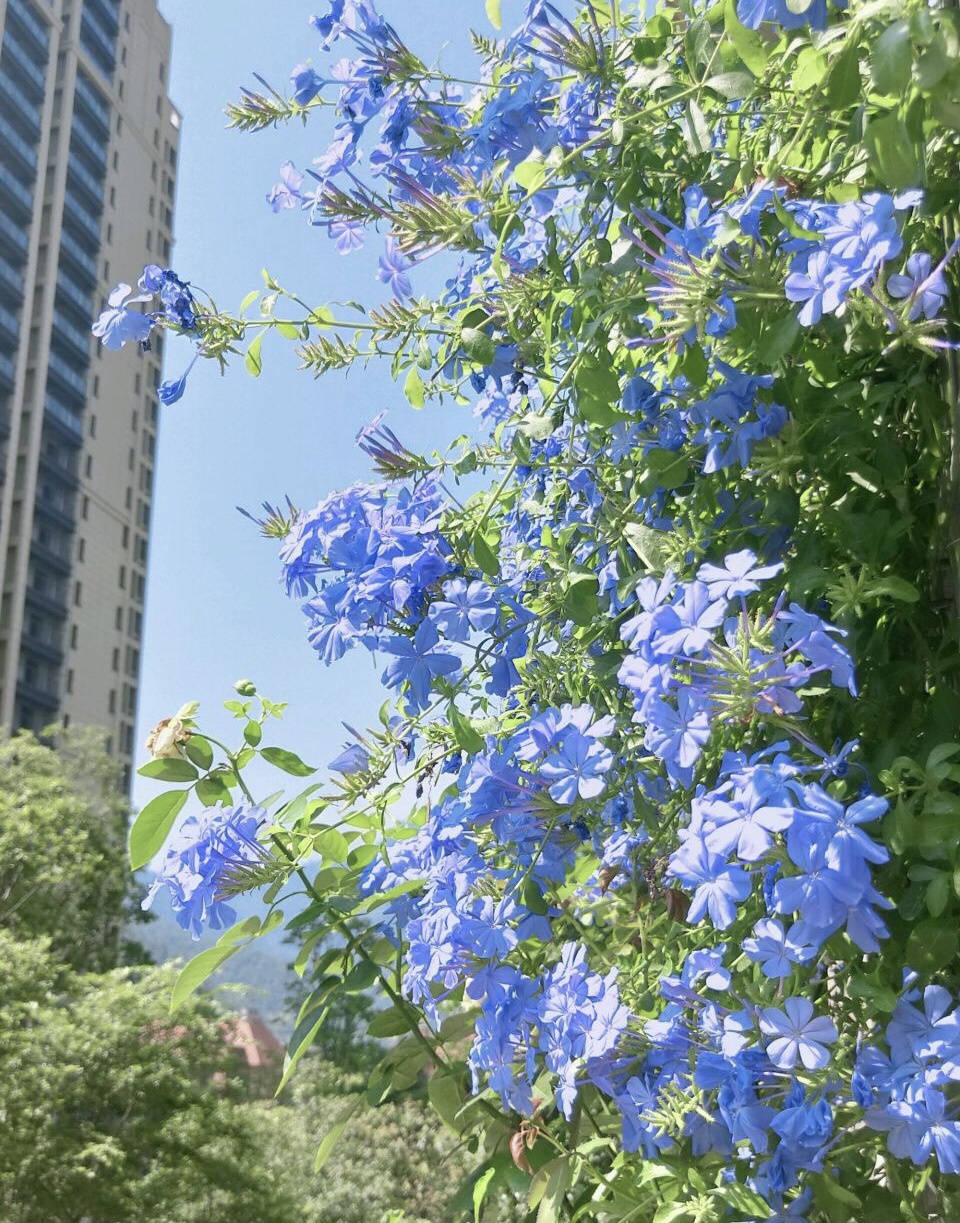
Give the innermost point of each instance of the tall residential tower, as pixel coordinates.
(88, 159)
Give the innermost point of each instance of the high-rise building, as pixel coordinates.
(88, 161)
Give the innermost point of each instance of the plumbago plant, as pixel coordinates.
(653, 852)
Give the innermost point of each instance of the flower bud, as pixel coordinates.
(167, 739)
(246, 687)
(518, 1151)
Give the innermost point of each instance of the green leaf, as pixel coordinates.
(332, 845)
(741, 1199)
(892, 153)
(252, 733)
(733, 85)
(778, 339)
(530, 173)
(199, 750)
(480, 1188)
(580, 598)
(896, 588)
(748, 44)
(931, 946)
(598, 392)
(938, 894)
(843, 81)
(212, 790)
(249, 300)
(446, 1095)
(558, 1181)
(169, 769)
(484, 555)
(413, 388)
(892, 59)
(303, 1035)
(810, 70)
(391, 1022)
(669, 1212)
(290, 762)
(200, 968)
(321, 318)
(478, 345)
(252, 358)
(361, 977)
(469, 739)
(332, 1136)
(493, 14)
(152, 826)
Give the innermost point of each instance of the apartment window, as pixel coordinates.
(77, 594)
(118, 618)
(81, 550)
(159, 106)
(113, 197)
(123, 56)
(109, 232)
(93, 418)
(131, 458)
(163, 70)
(126, 537)
(112, 701)
(120, 94)
(85, 508)
(136, 390)
(149, 241)
(96, 392)
(152, 205)
(135, 421)
(116, 159)
(74, 636)
(122, 582)
(128, 499)
(126, 22)
(69, 681)
(88, 466)
(119, 124)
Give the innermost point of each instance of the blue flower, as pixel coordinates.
(777, 952)
(118, 323)
(927, 291)
(205, 851)
(393, 270)
(417, 662)
(305, 84)
(172, 390)
(797, 1033)
(286, 193)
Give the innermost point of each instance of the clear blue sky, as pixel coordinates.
(215, 610)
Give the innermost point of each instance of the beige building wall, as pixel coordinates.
(83, 426)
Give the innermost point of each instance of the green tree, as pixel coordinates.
(112, 1111)
(62, 862)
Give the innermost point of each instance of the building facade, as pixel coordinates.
(88, 160)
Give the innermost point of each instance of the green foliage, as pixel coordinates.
(112, 1111)
(62, 871)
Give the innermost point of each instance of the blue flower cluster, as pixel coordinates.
(909, 1092)
(505, 832)
(684, 640)
(753, 13)
(206, 850)
(368, 559)
(698, 268)
(120, 323)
